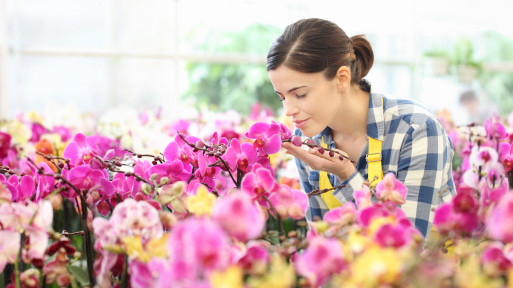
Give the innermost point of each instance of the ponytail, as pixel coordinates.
(364, 58)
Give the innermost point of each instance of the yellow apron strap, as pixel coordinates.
(374, 168)
(375, 172)
(324, 183)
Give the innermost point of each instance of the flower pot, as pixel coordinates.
(436, 66)
(466, 74)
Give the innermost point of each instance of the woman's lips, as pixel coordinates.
(300, 123)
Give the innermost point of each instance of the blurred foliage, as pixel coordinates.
(498, 85)
(232, 86)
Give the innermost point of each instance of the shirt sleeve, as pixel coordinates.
(421, 168)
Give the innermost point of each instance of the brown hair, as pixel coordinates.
(315, 45)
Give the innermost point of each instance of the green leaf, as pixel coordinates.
(80, 274)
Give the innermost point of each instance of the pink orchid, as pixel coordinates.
(86, 178)
(363, 197)
(198, 247)
(83, 150)
(494, 128)
(259, 184)
(459, 216)
(5, 144)
(491, 196)
(285, 132)
(256, 257)
(341, 215)
(267, 137)
(483, 156)
(322, 258)
(8, 192)
(136, 218)
(506, 155)
(395, 235)
(173, 170)
(239, 216)
(494, 261)
(37, 131)
(390, 189)
(9, 247)
(498, 222)
(289, 202)
(240, 156)
(141, 275)
(385, 209)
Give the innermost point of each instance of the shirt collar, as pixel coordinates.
(375, 118)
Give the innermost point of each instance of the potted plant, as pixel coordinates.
(467, 68)
(436, 62)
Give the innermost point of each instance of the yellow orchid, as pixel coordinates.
(281, 275)
(201, 203)
(230, 278)
(156, 247)
(376, 266)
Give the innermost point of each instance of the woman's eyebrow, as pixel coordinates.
(290, 90)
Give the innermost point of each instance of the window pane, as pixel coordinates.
(146, 25)
(42, 81)
(146, 84)
(62, 23)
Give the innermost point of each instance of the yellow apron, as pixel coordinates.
(374, 168)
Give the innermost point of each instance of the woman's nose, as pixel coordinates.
(290, 108)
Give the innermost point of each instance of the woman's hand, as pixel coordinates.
(323, 162)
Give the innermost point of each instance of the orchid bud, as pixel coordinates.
(296, 140)
(164, 180)
(154, 177)
(332, 154)
(146, 188)
(320, 149)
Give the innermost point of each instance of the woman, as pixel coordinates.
(318, 71)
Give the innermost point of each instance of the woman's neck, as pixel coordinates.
(351, 121)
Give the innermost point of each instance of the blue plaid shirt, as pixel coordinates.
(415, 148)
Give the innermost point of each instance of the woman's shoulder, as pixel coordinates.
(409, 111)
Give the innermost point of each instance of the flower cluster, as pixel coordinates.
(218, 210)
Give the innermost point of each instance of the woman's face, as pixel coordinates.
(308, 98)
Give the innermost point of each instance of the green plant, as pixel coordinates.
(223, 86)
(464, 54)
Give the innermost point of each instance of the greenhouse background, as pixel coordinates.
(185, 55)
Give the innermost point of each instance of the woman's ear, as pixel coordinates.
(343, 77)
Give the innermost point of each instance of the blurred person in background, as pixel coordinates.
(477, 111)
(318, 72)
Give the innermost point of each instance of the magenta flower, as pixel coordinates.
(267, 137)
(289, 202)
(174, 171)
(259, 184)
(390, 189)
(494, 261)
(285, 132)
(5, 144)
(363, 197)
(256, 258)
(240, 156)
(506, 155)
(494, 128)
(341, 215)
(37, 131)
(367, 215)
(83, 150)
(498, 222)
(198, 247)
(86, 178)
(396, 235)
(483, 156)
(460, 215)
(239, 216)
(322, 258)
